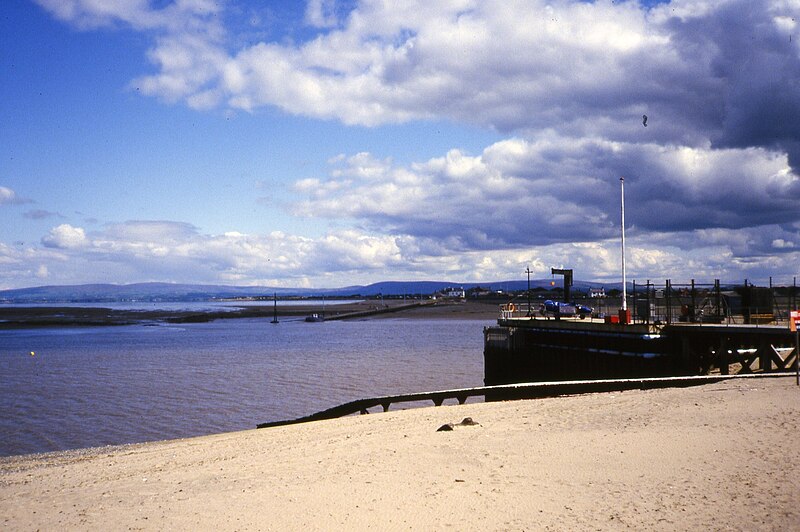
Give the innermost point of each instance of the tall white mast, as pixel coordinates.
(624, 277)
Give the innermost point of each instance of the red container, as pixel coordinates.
(612, 319)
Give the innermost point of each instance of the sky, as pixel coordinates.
(332, 143)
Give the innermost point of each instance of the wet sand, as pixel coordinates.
(720, 456)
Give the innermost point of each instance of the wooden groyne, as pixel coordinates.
(529, 390)
(531, 349)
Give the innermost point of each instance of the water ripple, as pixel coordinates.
(98, 386)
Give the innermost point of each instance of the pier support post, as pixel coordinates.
(669, 301)
(722, 356)
(764, 360)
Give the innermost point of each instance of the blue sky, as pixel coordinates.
(332, 143)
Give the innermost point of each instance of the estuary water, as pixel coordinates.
(66, 388)
(219, 305)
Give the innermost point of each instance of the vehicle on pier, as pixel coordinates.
(560, 309)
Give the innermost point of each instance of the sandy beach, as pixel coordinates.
(719, 456)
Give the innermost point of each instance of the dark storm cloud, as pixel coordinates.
(755, 58)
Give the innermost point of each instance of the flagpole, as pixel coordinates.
(624, 277)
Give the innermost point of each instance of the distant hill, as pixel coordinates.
(99, 293)
(399, 288)
(130, 292)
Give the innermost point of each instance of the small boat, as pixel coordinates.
(318, 317)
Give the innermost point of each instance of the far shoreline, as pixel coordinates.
(18, 317)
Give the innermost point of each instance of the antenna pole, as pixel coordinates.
(624, 277)
(528, 271)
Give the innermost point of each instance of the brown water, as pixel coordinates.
(110, 385)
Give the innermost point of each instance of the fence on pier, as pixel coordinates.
(669, 302)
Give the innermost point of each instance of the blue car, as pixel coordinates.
(566, 310)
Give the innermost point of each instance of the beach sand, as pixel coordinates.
(719, 456)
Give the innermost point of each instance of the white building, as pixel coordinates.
(457, 293)
(597, 293)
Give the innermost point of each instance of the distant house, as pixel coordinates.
(455, 293)
(478, 291)
(597, 293)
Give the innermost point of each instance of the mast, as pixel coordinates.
(275, 307)
(624, 277)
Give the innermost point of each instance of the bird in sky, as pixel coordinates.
(644, 120)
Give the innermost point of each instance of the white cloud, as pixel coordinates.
(179, 15)
(65, 236)
(553, 189)
(579, 68)
(166, 250)
(173, 251)
(716, 74)
(709, 180)
(9, 197)
(321, 13)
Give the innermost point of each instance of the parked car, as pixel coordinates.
(560, 309)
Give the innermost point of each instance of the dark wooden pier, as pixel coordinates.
(527, 349)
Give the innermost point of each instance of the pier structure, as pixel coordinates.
(535, 349)
(674, 329)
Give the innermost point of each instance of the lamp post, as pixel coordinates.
(528, 271)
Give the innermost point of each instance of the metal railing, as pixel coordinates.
(700, 303)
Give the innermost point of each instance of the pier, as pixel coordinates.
(532, 349)
(666, 329)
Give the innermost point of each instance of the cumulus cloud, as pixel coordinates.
(166, 250)
(65, 236)
(551, 189)
(711, 181)
(174, 251)
(724, 73)
(188, 41)
(179, 15)
(9, 197)
(6, 195)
